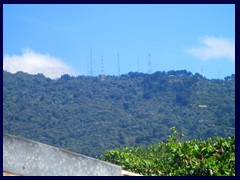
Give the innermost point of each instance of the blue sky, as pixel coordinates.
(56, 39)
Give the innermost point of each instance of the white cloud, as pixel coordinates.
(214, 48)
(33, 63)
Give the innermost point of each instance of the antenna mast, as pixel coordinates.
(102, 66)
(138, 64)
(91, 70)
(118, 65)
(149, 65)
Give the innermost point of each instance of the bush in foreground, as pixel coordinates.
(212, 157)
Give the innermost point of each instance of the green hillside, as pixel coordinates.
(91, 114)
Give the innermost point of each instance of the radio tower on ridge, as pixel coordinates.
(102, 72)
(138, 64)
(91, 69)
(118, 65)
(149, 65)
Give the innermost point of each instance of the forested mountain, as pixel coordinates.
(91, 114)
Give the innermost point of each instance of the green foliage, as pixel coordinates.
(91, 114)
(212, 157)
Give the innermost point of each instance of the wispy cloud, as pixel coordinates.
(33, 63)
(214, 47)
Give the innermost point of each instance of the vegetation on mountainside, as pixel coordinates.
(212, 157)
(91, 114)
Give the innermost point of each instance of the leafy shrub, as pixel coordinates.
(212, 157)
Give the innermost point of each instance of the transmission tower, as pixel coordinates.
(202, 72)
(149, 65)
(138, 64)
(91, 69)
(102, 72)
(118, 65)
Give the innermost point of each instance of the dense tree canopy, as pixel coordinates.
(91, 114)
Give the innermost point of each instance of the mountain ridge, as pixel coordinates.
(91, 114)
